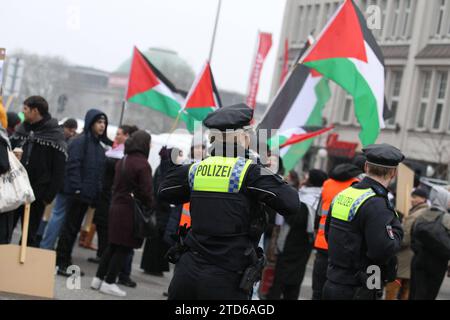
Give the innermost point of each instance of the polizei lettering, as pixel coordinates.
(213, 171)
(186, 310)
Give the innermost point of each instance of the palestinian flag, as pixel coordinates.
(148, 87)
(297, 135)
(347, 53)
(203, 97)
(298, 103)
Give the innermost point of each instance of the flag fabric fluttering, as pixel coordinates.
(298, 103)
(148, 87)
(203, 97)
(297, 135)
(346, 52)
(263, 48)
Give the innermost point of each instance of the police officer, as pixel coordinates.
(225, 192)
(363, 231)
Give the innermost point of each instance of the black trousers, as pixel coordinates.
(75, 212)
(319, 276)
(196, 279)
(289, 275)
(427, 274)
(102, 238)
(36, 212)
(334, 291)
(112, 262)
(6, 227)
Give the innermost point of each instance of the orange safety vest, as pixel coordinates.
(185, 215)
(329, 190)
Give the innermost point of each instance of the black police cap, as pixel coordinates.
(232, 117)
(383, 155)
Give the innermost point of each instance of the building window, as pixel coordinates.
(424, 99)
(395, 19)
(297, 34)
(347, 114)
(441, 18)
(406, 29)
(442, 81)
(394, 83)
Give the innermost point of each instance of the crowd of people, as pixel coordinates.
(75, 173)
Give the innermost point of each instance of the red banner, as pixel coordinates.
(285, 67)
(264, 45)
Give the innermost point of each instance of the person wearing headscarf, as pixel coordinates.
(133, 176)
(428, 267)
(400, 288)
(154, 261)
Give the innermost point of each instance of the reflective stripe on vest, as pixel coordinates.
(218, 174)
(185, 215)
(330, 189)
(346, 204)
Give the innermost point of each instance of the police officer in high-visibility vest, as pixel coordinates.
(341, 177)
(364, 232)
(225, 192)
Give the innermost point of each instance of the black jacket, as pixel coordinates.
(104, 202)
(85, 165)
(372, 238)
(43, 159)
(221, 221)
(296, 250)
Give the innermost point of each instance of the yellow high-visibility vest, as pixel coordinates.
(218, 174)
(346, 203)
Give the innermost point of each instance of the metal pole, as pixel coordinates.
(122, 112)
(214, 32)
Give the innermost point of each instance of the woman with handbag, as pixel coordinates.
(132, 183)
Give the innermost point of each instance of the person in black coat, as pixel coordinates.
(82, 182)
(154, 261)
(44, 152)
(295, 241)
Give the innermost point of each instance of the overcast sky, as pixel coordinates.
(106, 31)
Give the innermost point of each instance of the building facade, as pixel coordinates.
(414, 36)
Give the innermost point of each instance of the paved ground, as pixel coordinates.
(149, 287)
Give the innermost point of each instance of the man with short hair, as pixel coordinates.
(39, 144)
(50, 231)
(364, 232)
(82, 183)
(70, 127)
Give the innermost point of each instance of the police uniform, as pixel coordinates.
(363, 230)
(225, 194)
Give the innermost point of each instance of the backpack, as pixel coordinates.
(434, 234)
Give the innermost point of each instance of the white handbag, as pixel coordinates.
(15, 187)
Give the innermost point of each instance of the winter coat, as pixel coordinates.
(406, 254)
(137, 177)
(85, 165)
(44, 155)
(296, 247)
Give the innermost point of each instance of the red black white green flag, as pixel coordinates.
(203, 97)
(148, 87)
(346, 52)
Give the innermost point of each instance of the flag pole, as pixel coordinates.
(211, 49)
(213, 40)
(122, 112)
